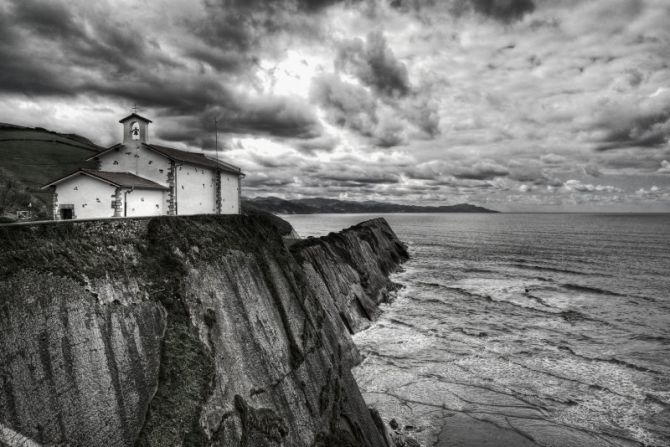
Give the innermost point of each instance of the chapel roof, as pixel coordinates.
(196, 158)
(135, 115)
(118, 179)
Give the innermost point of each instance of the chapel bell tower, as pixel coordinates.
(135, 128)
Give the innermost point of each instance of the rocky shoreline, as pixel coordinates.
(201, 330)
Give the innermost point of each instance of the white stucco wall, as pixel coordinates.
(90, 198)
(230, 197)
(144, 202)
(136, 159)
(195, 188)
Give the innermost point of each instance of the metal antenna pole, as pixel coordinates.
(219, 205)
(216, 139)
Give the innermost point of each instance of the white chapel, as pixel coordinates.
(136, 178)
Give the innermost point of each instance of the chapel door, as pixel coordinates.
(66, 213)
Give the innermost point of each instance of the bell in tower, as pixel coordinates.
(135, 128)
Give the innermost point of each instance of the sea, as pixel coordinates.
(522, 329)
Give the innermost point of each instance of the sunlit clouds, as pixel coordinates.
(528, 105)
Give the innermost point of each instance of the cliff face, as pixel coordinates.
(198, 331)
(350, 269)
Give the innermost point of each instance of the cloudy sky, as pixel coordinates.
(522, 105)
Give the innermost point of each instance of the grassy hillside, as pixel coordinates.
(29, 158)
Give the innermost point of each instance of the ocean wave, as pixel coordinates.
(589, 289)
(431, 284)
(610, 360)
(468, 293)
(523, 265)
(646, 337)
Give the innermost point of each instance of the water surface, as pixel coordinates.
(523, 329)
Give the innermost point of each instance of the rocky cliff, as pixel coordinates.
(198, 331)
(350, 269)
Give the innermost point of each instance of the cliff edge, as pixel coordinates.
(350, 269)
(201, 331)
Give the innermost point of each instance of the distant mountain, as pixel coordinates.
(277, 205)
(323, 205)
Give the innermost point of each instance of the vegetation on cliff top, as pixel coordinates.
(29, 158)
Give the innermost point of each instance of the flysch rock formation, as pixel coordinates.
(192, 331)
(350, 269)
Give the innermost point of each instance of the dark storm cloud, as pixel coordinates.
(482, 171)
(643, 123)
(454, 173)
(238, 25)
(221, 59)
(634, 158)
(642, 131)
(46, 18)
(504, 10)
(592, 170)
(531, 171)
(317, 5)
(116, 44)
(385, 108)
(273, 116)
(247, 25)
(323, 143)
(264, 183)
(21, 70)
(346, 104)
(423, 112)
(50, 49)
(352, 107)
(278, 116)
(355, 177)
(374, 63)
(176, 94)
(207, 98)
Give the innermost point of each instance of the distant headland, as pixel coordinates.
(323, 205)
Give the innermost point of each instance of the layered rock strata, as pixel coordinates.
(200, 331)
(350, 269)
